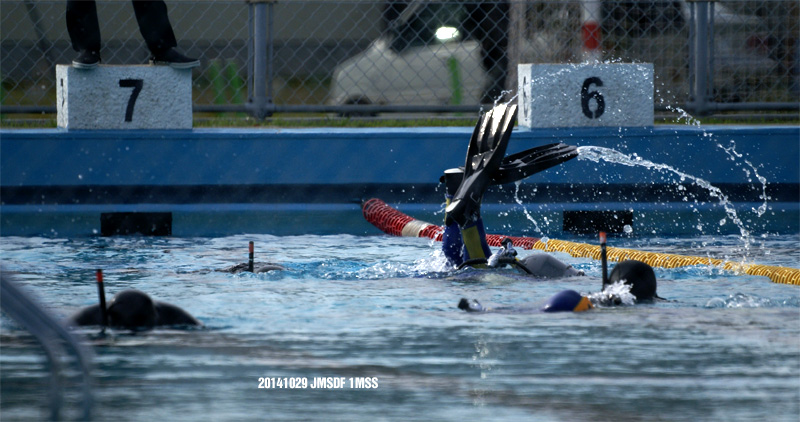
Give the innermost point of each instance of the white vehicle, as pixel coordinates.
(423, 61)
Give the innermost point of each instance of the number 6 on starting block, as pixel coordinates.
(556, 95)
(124, 97)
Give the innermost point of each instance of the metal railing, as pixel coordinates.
(365, 57)
(52, 335)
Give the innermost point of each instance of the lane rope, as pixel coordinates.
(391, 221)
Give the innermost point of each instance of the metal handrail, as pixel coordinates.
(51, 334)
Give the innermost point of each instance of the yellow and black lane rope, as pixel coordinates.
(785, 275)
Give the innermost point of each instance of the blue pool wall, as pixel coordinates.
(228, 181)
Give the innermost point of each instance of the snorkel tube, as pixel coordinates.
(101, 291)
(250, 261)
(603, 260)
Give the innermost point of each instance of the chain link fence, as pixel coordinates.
(366, 57)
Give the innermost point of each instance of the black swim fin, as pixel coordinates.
(487, 148)
(525, 163)
(518, 166)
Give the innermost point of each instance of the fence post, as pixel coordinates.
(701, 48)
(270, 52)
(260, 80)
(517, 31)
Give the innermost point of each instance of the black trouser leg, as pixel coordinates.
(154, 25)
(82, 25)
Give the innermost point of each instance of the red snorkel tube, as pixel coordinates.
(250, 261)
(101, 291)
(603, 259)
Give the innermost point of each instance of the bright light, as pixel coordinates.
(446, 33)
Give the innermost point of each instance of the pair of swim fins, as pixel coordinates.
(487, 164)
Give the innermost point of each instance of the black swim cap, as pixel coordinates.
(132, 309)
(470, 305)
(639, 275)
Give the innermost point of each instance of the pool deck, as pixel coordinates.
(71, 177)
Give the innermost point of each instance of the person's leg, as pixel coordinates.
(473, 235)
(154, 26)
(82, 25)
(452, 244)
(157, 33)
(465, 188)
(84, 32)
(461, 244)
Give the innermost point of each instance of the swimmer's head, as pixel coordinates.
(567, 301)
(452, 180)
(470, 305)
(132, 309)
(638, 275)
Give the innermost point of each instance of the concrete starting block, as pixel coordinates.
(124, 97)
(565, 95)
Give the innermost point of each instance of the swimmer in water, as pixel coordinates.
(133, 310)
(253, 267)
(258, 267)
(464, 239)
(638, 275)
(563, 301)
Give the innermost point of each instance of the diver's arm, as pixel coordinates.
(89, 315)
(169, 314)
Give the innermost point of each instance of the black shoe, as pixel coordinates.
(174, 59)
(87, 60)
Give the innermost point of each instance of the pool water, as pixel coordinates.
(726, 347)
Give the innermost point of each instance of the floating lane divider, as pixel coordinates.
(394, 222)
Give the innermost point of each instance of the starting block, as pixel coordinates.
(124, 97)
(585, 95)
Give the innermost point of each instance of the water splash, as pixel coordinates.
(689, 120)
(684, 115)
(614, 294)
(597, 154)
(741, 300)
(731, 151)
(524, 209)
(503, 93)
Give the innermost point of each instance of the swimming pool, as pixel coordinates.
(725, 347)
(359, 307)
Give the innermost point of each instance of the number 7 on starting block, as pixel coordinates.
(124, 97)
